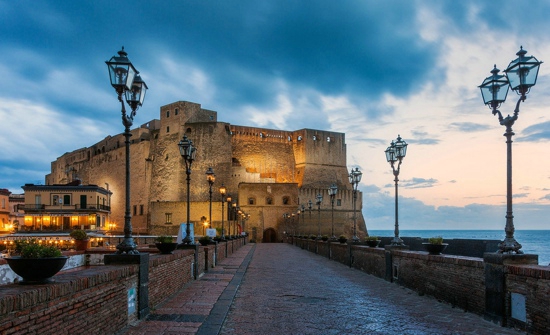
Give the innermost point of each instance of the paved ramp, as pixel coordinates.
(278, 288)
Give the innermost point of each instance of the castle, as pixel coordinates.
(269, 173)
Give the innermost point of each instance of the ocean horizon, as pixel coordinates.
(532, 241)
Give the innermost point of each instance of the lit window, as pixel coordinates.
(168, 218)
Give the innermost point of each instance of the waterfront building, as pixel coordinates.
(268, 173)
(58, 208)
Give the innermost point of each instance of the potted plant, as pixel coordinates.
(312, 237)
(165, 244)
(372, 241)
(435, 245)
(204, 240)
(81, 240)
(36, 263)
(324, 238)
(342, 239)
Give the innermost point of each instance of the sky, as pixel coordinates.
(370, 69)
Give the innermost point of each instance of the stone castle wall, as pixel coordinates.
(303, 162)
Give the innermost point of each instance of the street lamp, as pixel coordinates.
(396, 152)
(125, 80)
(303, 217)
(354, 179)
(210, 177)
(188, 152)
(521, 75)
(223, 191)
(229, 211)
(234, 216)
(332, 190)
(318, 202)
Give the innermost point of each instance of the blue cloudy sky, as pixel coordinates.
(370, 69)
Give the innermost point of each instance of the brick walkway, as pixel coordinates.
(282, 289)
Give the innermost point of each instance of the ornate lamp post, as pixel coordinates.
(396, 152)
(354, 179)
(223, 191)
(303, 217)
(188, 152)
(125, 80)
(332, 190)
(210, 177)
(229, 211)
(521, 75)
(318, 202)
(235, 209)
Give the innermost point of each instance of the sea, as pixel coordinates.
(532, 241)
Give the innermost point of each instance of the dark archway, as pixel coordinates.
(270, 236)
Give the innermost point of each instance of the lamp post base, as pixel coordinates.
(127, 246)
(397, 241)
(509, 246)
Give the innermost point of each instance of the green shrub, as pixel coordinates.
(78, 234)
(32, 249)
(371, 238)
(436, 240)
(164, 239)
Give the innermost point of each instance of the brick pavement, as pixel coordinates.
(281, 289)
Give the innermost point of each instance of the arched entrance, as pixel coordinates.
(270, 236)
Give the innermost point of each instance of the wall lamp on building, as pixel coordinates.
(354, 180)
(520, 75)
(210, 178)
(395, 153)
(318, 202)
(188, 152)
(126, 80)
(332, 190)
(223, 192)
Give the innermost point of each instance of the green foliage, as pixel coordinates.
(312, 236)
(32, 249)
(324, 238)
(164, 239)
(204, 238)
(371, 238)
(79, 234)
(436, 240)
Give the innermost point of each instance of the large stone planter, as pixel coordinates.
(36, 270)
(435, 249)
(372, 243)
(81, 245)
(166, 248)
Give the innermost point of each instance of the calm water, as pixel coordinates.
(532, 241)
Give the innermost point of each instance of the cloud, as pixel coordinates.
(535, 133)
(419, 183)
(468, 127)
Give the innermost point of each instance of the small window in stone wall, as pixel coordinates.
(286, 200)
(176, 111)
(135, 209)
(251, 201)
(140, 209)
(167, 113)
(338, 202)
(268, 201)
(188, 130)
(168, 218)
(168, 129)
